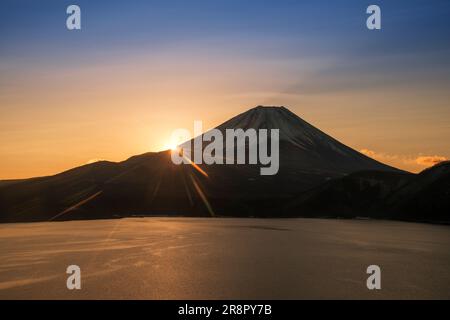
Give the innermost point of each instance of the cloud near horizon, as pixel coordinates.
(419, 162)
(429, 160)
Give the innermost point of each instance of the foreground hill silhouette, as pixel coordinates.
(415, 197)
(318, 176)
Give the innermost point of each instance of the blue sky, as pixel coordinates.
(413, 41)
(328, 27)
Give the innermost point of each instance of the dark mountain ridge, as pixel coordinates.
(383, 195)
(315, 170)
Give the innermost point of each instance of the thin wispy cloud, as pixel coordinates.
(430, 160)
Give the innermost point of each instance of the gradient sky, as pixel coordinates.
(139, 69)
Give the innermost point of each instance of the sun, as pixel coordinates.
(171, 145)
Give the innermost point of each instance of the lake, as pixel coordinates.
(224, 258)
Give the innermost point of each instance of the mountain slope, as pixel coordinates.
(363, 193)
(427, 197)
(416, 197)
(302, 146)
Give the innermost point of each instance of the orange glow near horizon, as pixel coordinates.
(57, 118)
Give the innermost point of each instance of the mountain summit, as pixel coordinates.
(151, 184)
(303, 146)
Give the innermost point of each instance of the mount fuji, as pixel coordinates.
(150, 184)
(303, 146)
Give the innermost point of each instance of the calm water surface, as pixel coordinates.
(195, 258)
